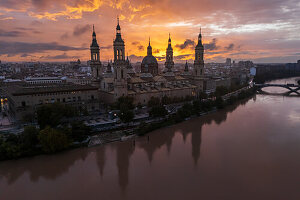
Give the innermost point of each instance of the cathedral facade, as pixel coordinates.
(119, 79)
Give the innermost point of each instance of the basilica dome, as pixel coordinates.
(149, 63)
(149, 60)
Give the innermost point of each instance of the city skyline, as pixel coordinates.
(61, 30)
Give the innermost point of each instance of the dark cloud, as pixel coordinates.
(230, 47)
(79, 30)
(187, 44)
(4, 33)
(24, 55)
(36, 23)
(106, 47)
(135, 43)
(160, 58)
(211, 46)
(14, 48)
(180, 57)
(64, 36)
(156, 51)
(141, 48)
(57, 57)
(135, 58)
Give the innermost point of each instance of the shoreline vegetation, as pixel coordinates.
(58, 131)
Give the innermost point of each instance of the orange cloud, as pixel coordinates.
(71, 12)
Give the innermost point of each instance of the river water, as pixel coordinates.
(247, 151)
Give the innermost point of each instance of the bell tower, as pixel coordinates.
(120, 65)
(169, 64)
(199, 58)
(95, 64)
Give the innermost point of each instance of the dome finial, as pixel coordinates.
(149, 41)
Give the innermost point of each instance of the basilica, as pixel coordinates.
(119, 79)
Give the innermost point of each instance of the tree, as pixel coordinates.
(158, 111)
(126, 115)
(28, 118)
(197, 106)
(52, 114)
(202, 95)
(52, 140)
(154, 101)
(186, 110)
(125, 103)
(165, 100)
(79, 131)
(221, 90)
(29, 138)
(219, 102)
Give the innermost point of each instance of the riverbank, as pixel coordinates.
(35, 142)
(188, 111)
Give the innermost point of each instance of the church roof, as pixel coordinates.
(149, 60)
(136, 80)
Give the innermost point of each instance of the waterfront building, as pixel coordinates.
(25, 99)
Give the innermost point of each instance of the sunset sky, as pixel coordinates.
(61, 30)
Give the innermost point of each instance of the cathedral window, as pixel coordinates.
(122, 75)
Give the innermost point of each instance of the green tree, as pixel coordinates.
(126, 115)
(165, 100)
(52, 114)
(219, 102)
(158, 111)
(79, 131)
(221, 90)
(53, 140)
(197, 106)
(124, 103)
(202, 95)
(154, 101)
(29, 138)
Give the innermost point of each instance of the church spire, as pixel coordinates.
(118, 28)
(200, 39)
(119, 46)
(169, 42)
(94, 41)
(149, 49)
(186, 68)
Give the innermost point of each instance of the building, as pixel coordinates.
(228, 61)
(25, 99)
(43, 80)
(124, 81)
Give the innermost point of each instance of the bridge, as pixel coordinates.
(292, 88)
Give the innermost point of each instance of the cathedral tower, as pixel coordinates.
(95, 64)
(120, 65)
(199, 60)
(169, 64)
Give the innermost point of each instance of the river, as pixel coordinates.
(247, 151)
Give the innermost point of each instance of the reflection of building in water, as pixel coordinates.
(157, 141)
(42, 166)
(100, 159)
(124, 151)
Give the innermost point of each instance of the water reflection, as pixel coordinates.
(47, 166)
(51, 167)
(100, 159)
